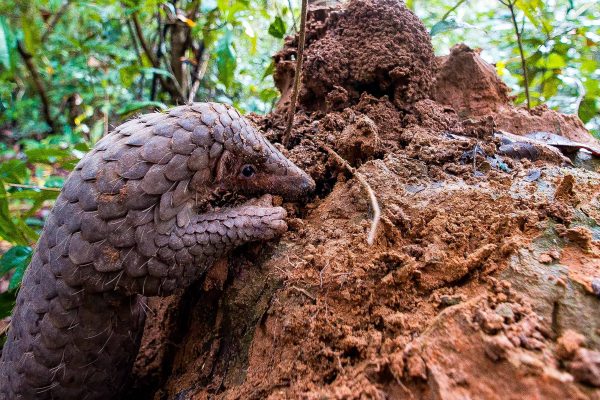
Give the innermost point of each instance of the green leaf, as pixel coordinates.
(556, 61)
(226, 60)
(7, 303)
(447, 25)
(17, 277)
(138, 105)
(277, 28)
(148, 72)
(15, 257)
(5, 45)
(8, 229)
(14, 171)
(47, 155)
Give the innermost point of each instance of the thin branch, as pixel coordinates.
(16, 185)
(138, 54)
(292, 12)
(54, 20)
(450, 11)
(365, 184)
(304, 292)
(169, 87)
(199, 71)
(511, 6)
(143, 43)
(297, 74)
(37, 82)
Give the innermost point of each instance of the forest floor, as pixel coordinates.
(484, 277)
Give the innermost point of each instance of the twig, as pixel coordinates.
(292, 12)
(173, 91)
(143, 43)
(365, 184)
(450, 11)
(511, 6)
(37, 82)
(304, 292)
(16, 185)
(54, 20)
(138, 54)
(199, 71)
(297, 74)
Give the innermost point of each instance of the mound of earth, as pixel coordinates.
(484, 277)
(376, 47)
(471, 87)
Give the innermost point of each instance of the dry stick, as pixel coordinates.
(365, 184)
(293, 19)
(201, 70)
(297, 74)
(37, 82)
(511, 6)
(16, 185)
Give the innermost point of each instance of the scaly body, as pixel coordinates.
(134, 219)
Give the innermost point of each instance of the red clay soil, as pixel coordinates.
(483, 280)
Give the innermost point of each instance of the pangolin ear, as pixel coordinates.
(226, 166)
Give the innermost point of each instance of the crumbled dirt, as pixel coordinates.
(480, 280)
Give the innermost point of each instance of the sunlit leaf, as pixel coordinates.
(226, 60)
(277, 28)
(150, 71)
(15, 257)
(14, 171)
(47, 155)
(269, 70)
(17, 277)
(556, 61)
(447, 25)
(5, 45)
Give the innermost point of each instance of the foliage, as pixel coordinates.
(70, 69)
(561, 41)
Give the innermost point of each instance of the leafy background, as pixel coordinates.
(71, 69)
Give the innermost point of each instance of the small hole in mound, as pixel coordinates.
(325, 184)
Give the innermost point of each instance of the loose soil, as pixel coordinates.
(484, 278)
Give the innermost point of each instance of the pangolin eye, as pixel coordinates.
(248, 171)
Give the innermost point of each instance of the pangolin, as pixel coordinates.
(136, 217)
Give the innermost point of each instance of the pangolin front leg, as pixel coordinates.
(136, 218)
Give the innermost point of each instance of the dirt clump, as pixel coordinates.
(374, 46)
(471, 86)
(481, 270)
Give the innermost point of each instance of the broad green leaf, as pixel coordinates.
(7, 303)
(268, 71)
(31, 27)
(277, 28)
(15, 257)
(47, 155)
(226, 59)
(447, 25)
(556, 61)
(148, 72)
(8, 229)
(17, 277)
(14, 171)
